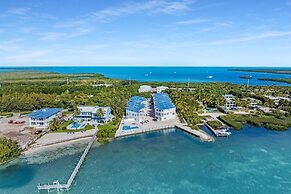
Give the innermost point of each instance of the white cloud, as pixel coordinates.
(26, 55)
(71, 24)
(150, 7)
(50, 36)
(194, 21)
(263, 35)
(19, 11)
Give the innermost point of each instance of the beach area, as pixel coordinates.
(55, 140)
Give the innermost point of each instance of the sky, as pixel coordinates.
(145, 32)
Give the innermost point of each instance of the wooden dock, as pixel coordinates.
(218, 132)
(56, 184)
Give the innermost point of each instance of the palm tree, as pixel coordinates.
(77, 112)
(54, 124)
(100, 113)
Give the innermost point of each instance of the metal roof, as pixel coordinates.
(136, 104)
(44, 113)
(162, 101)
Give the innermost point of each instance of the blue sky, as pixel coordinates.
(156, 32)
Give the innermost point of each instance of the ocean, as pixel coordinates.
(170, 74)
(253, 160)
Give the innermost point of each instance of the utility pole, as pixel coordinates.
(188, 83)
(248, 81)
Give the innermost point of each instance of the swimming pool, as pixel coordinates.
(75, 125)
(128, 127)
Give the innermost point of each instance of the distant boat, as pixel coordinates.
(210, 77)
(146, 75)
(245, 77)
(175, 72)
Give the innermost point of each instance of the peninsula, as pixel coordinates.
(40, 109)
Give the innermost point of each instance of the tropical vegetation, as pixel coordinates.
(9, 149)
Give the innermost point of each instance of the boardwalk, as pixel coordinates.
(56, 184)
(161, 126)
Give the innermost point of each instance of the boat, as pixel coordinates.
(245, 77)
(210, 77)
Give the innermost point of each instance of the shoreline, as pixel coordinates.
(52, 140)
(32, 150)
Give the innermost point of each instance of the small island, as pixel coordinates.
(245, 77)
(283, 80)
(277, 71)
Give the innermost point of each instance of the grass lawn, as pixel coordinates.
(63, 128)
(214, 124)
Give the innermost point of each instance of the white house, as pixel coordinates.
(161, 89)
(136, 108)
(229, 101)
(90, 113)
(145, 88)
(42, 118)
(163, 107)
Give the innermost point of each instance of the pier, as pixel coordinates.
(197, 133)
(56, 184)
(218, 132)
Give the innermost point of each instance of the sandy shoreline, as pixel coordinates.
(55, 140)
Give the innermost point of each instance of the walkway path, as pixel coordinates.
(56, 184)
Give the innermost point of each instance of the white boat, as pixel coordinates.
(210, 77)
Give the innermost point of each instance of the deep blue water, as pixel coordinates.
(174, 74)
(253, 161)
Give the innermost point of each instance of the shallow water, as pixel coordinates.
(254, 160)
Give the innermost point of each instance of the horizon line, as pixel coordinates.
(25, 66)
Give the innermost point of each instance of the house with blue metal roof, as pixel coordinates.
(90, 114)
(136, 108)
(41, 118)
(163, 107)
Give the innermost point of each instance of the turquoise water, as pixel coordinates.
(75, 125)
(253, 160)
(127, 128)
(170, 74)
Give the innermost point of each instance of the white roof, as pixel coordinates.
(145, 87)
(162, 87)
(92, 109)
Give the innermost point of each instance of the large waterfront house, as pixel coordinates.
(163, 107)
(42, 118)
(160, 89)
(229, 101)
(146, 88)
(94, 114)
(136, 108)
